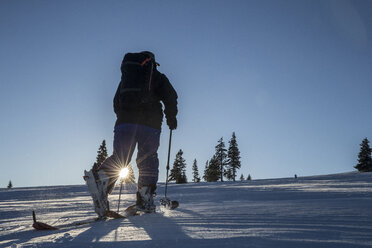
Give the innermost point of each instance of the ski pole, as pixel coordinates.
(169, 148)
(121, 187)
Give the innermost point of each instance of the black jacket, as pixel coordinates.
(152, 114)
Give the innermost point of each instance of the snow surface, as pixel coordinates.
(319, 211)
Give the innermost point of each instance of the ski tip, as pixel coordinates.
(86, 175)
(33, 216)
(42, 226)
(39, 225)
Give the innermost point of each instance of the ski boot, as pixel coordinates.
(98, 186)
(145, 199)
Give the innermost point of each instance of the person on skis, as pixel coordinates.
(139, 112)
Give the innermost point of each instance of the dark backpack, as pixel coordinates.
(135, 86)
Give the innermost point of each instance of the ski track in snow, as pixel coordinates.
(320, 211)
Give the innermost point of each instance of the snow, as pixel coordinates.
(319, 211)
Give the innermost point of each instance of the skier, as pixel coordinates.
(138, 108)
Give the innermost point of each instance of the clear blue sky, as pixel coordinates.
(291, 78)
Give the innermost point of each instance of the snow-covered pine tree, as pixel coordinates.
(220, 157)
(364, 157)
(178, 172)
(10, 185)
(241, 177)
(101, 155)
(233, 159)
(212, 173)
(195, 172)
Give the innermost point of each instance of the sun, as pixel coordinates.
(124, 172)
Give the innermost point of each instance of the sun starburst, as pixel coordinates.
(124, 172)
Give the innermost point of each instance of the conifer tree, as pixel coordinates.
(195, 172)
(101, 155)
(10, 185)
(220, 157)
(183, 178)
(249, 177)
(178, 172)
(364, 157)
(205, 176)
(241, 177)
(233, 159)
(212, 173)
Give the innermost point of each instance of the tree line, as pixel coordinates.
(224, 164)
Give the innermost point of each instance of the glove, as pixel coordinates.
(172, 123)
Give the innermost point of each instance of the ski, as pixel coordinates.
(133, 208)
(137, 211)
(111, 215)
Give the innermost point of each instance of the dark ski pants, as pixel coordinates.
(126, 137)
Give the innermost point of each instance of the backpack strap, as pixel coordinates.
(145, 61)
(152, 69)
